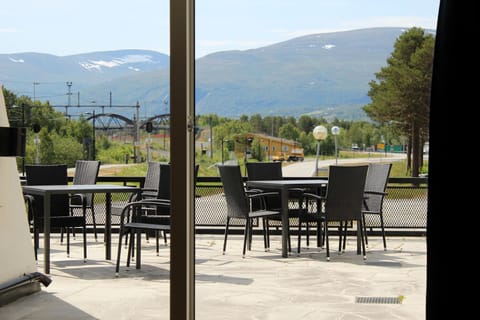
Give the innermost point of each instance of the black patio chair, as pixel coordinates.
(375, 193)
(273, 171)
(86, 172)
(239, 204)
(133, 222)
(60, 216)
(157, 186)
(159, 189)
(342, 203)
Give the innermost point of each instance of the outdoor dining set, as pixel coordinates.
(318, 205)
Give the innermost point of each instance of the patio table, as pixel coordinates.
(48, 190)
(284, 185)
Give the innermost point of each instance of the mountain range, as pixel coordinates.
(324, 74)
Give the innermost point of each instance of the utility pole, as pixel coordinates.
(211, 135)
(34, 85)
(136, 133)
(69, 94)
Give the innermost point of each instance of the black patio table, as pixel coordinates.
(48, 190)
(283, 186)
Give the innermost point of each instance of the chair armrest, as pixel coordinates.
(314, 196)
(262, 194)
(376, 193)
(29, 198)
(82, 199)
(253, 191)
(127, 209)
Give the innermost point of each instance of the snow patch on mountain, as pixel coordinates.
(17, 60)
(97, 65)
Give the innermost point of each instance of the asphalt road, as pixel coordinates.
(306, 168)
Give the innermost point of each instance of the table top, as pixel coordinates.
(290, 183)
(77, 188)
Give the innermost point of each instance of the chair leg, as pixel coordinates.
(36, 241)
(264, 229)
(267, 230)
(68, 242)
(289, 241)
(383, 233)
(328, 243)
(250, 235)
(84, 243)
(365, 229)
(325, 226)
(362, 238)
(307, 228)
(165, 237)
(246, 236)
(340, 237)
(299, 238)
(319, 234)
(131, 243)
(94, 222)
(117, 266)
(226, 234)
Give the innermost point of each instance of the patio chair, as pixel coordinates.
(132, 223)
(272, 171)
(341, 203)
(157, 186)
(86, 172)
(60, 216)
(239, 204)
(375, 192)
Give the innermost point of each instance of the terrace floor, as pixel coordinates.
(263, 285)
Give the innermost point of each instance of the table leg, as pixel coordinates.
(285, 222)
(46, 231)
(108, 226)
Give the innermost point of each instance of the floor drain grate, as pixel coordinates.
(379, 300)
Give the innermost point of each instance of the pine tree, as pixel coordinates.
(401, 94)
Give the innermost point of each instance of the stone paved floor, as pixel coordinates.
(261, 286)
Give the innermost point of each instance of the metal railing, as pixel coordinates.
(405, 206)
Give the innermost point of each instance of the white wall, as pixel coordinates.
(16, 246)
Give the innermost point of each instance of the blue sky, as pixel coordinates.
(62, 27)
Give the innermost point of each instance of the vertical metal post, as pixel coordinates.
(37, 142)
(211, 136)
(182, 103)
(93, 135)
(316, 158)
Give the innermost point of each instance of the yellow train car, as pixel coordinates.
(275, 149)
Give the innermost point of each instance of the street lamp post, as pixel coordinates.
(319, 133)
(335, 131)
(94, 135)
(148, 141)
(36, 129)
